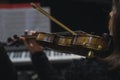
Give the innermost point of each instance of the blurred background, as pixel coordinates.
(17, 15)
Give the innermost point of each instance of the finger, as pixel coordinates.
(31, 45)
(24, 41)
(33, 32)
(26, 32)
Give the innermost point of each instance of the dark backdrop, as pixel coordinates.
(81, 15)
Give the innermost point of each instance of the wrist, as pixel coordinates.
(37, 49)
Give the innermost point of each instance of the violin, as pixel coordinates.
(77, 44)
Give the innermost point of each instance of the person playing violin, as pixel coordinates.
(105, 68)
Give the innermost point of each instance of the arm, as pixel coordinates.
(7, 70)
(44, 67)
(40, 62)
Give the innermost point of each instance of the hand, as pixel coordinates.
(32, 45)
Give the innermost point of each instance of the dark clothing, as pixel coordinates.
(7, 70)
(83, 69)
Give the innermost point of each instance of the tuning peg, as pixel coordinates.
(15, 36)
(9, 40)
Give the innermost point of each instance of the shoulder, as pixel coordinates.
(90, 64)
(90, 68)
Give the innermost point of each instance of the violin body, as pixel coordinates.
(72, 43)
(91, 41)
(86, 40)
(77, 44)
